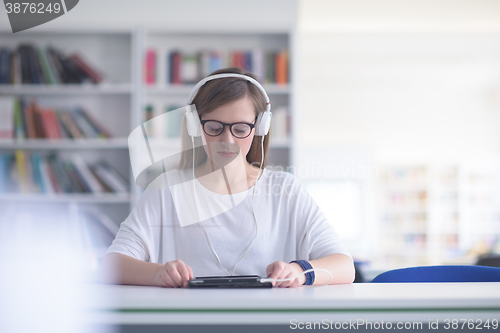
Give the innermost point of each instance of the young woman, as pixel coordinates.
(227, 215)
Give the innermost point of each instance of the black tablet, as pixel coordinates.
(238, 281)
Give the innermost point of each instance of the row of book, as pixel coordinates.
(31, 64)
(22, 172)
(22, 119)
(178, 67)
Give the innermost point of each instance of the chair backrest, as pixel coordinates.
(492, 261)
(452, 273)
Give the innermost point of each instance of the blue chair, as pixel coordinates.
(452, 273)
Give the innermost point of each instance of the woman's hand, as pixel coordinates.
(174, 274)
(282, 270)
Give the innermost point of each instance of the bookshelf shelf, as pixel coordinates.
(119, 101)
(68, 198)
(66, 89)
(63, 144)
(271, 89)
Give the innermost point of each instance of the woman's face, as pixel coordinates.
(224, 148)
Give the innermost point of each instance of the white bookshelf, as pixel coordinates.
(458, 220)
(110, 102)
(119, 102)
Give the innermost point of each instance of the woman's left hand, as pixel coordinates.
(282, 270)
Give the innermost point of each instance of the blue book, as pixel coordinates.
(37, 172)
(3, 173)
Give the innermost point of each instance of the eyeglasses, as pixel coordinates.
(238, 130)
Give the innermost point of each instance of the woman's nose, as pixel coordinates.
(226, 135)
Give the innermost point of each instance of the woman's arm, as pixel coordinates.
(118, 268)
(339, 265)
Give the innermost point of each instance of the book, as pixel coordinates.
(88, 70)
(89, 178)
(189, 69)
(45, 177)
(21, 171)
(3, 172)
(150, 67)
(6, 117)
(4, 65)
(18, 120)
(46, 67)
(110, 177)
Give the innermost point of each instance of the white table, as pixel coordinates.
(423, 303)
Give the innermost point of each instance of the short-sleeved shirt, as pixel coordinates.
(290, 226)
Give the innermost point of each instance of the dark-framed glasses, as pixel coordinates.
(238, 130)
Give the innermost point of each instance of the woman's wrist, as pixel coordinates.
(298, 269)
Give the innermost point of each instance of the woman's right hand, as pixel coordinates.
(174, 274)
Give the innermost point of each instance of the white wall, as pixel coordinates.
(183, 15)
(412, 80)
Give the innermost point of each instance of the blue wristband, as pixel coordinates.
(305, 266)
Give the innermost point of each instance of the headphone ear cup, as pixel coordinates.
(263, 123)
(193, 121)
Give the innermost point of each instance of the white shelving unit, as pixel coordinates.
(110, 102)
(119, 102)
(439, 214)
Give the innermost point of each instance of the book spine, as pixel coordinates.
(3, 173)
(58, 65)
(26, 77)
(52, 66)
(52, 176)
(86, 129)
(60, 174)
(84, 66)
(89, 178)
(7, 117)
(37, 184)
(45, 176)
(282, 67)
(102, 131)
(78, 184)
(4, 65)
(70, 125)
(37, 117)
(21, 171)
(30, 122)
(46, 70)
(18, 120)
(47, 127)
(150, 66)
(176, 68)
(112, 179)
(36, 72)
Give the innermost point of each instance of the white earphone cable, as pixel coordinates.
(304, 272)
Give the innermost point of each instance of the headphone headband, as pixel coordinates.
(219, 76)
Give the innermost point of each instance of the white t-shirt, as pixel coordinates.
(290, 227)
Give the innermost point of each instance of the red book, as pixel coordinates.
(37, 117)
(94, 75)
(47, 126)
(176, 68)
(54, 124)
(281, 67)
(150, 69)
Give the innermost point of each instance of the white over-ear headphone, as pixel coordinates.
(193, 120)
